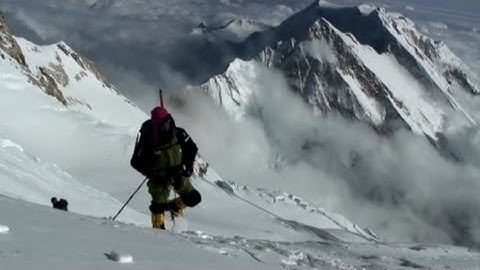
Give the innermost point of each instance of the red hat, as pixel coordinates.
(159, 115)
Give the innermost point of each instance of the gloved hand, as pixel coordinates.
(187, 170)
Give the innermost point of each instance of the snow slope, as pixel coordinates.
(45, 238)
(266, 230)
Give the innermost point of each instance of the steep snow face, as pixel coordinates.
(233, 90)
(364, 63)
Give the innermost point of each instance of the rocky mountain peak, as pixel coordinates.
(364, 63)
(53, 68)
(8, 43)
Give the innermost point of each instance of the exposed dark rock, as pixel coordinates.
(8, 43)
(85, 64)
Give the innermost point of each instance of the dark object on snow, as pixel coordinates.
(202, 169)
(61, 204)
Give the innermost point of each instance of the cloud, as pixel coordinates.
(398, 185)
(151, 38)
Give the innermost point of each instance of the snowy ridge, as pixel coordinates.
(78, 82)
(410, 102)
(65, 75)
(435, 57)
(326, 53)
(293, 210)
(284, 212)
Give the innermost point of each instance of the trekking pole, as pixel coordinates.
(135, 192)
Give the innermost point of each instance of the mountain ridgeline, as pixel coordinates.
(52, 68)
(363, 63)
